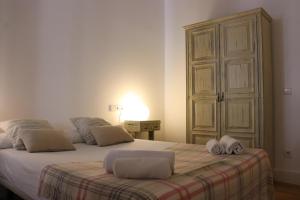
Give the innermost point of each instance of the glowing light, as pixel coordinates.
(133, 108)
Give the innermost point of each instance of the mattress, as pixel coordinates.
(21, 170)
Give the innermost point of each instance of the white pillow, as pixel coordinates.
(84, 125)
(109, 135)
(5, 142)
(13, 127)
(4, 125)
(39, 140)
(74, 136)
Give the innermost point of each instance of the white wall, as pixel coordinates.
(286, 48)
(17, 62)
(64, 58)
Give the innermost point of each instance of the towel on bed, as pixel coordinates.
(114, 154)
(215, 147)
(232, 146)
(142, 168)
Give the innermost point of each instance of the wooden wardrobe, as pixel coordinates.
(229, 79)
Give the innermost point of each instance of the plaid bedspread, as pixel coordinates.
(198, 175)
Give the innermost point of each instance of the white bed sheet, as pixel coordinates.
(22, 169)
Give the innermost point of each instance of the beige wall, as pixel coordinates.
(286, 46)
(63, 58)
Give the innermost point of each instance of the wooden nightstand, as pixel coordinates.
(143, 126)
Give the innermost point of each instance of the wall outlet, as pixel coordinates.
(288, 153)
(287, 91)
(115, 107)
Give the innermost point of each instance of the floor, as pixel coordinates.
(284, 191)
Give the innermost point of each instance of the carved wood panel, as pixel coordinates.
(239, 76)
(204, 115)
(204, 79)
(202, 139)
(238, 115)
(237, 37)
(203, 44)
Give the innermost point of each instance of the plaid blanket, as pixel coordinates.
(198, 175)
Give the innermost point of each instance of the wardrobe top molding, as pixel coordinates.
(221, 19)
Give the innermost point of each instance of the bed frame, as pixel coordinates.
(8, 192)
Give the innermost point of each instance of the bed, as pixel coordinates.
(198, 174)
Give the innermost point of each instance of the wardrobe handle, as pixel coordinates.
(222, 96)
(218, 97)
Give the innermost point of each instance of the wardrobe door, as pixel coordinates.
(203, 73)
(204, 103)
(239, 81)
(239, 100)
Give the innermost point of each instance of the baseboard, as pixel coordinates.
(292, 177)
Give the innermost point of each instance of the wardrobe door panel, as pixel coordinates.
(239, 76)
(238, 114)
(203, 43)
(237, 37)
(239, 119)
(204, 79)
(202, 138)
(204, 115)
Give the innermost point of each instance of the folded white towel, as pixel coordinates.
(213, 146)
(114, 154)
(142, 168)
(232, 146)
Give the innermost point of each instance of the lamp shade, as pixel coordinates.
(133, 108)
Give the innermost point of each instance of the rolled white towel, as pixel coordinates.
(232, 146)
(114, 154)
(142, 168)
(213, 146)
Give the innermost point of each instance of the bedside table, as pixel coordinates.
(142, 126)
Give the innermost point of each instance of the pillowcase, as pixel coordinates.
(5, 142)
(74, 136)
(108, 135)
(3, 125)
(13, 127)
(84, 125)
(45, 140)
